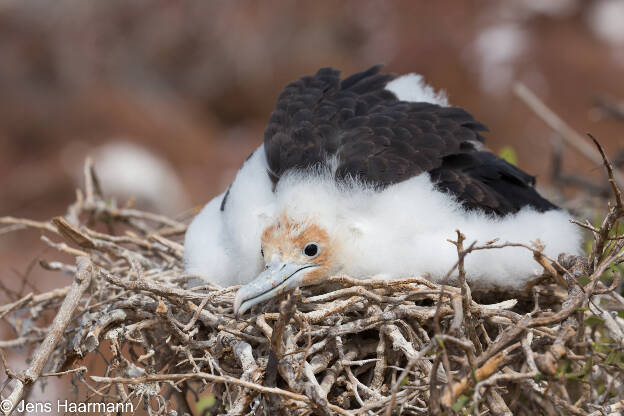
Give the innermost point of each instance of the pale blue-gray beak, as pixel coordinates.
(277, 278)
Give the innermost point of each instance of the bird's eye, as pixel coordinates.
(311, 249)
(262, 251)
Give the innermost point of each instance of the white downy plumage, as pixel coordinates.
(397, 232)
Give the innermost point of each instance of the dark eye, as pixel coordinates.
(311, 249)
(262, 251)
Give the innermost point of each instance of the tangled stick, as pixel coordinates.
(349, 347)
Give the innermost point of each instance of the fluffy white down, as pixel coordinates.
(223, 247)
(398, 232)
(412, 87)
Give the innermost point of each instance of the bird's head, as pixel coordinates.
(295, 254)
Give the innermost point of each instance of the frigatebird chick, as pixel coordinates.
(370, 176)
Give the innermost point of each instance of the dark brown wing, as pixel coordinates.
(481, 180)
(380, 140)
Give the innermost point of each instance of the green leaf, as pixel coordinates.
(204, 403)
(582, 373)
(615, 358)
(563, 368)
(583, 309)
(601, 347)
(584, 280)
(508, 154)
(440, 342)
(601, 389)
(460, 403)
(404, 381)
(594, 321)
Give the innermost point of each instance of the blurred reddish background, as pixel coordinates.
(171, 96)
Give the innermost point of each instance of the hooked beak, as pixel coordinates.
(277, 278)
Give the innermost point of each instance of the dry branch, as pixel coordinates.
(566, 132)
(24, 382)
(349, 346)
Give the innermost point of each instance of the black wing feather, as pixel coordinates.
(382, 140)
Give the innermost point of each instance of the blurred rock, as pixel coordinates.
(497, 49)
(128, 171)
(606, 20)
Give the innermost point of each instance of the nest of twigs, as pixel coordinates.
(349, 347)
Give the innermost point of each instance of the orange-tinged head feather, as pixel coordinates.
(286, 239)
